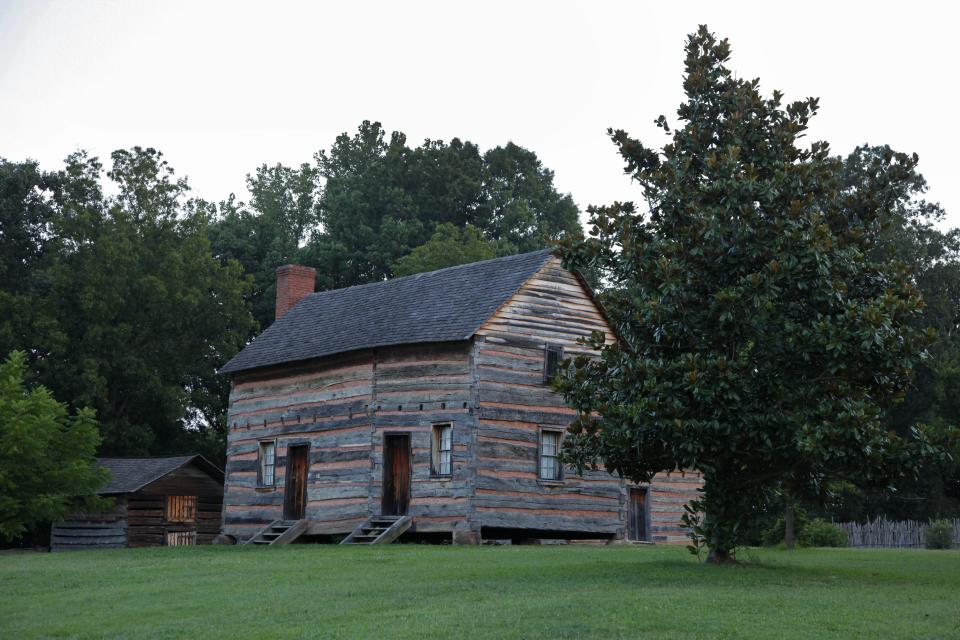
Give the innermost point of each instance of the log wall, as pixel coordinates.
(669, 492)
(416, 387)
(325, 404)
(81, 531)
(342, 407)
(515, 403)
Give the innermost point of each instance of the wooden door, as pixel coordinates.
(295, 487)
(181, 538)
(637, 515)
(396, 475)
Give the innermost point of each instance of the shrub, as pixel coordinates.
(940, 534)
(820, 533)
(774, 535)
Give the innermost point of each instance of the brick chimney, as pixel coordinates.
(293, 283)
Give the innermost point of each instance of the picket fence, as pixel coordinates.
(886, 534)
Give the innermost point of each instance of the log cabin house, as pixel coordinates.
(422, 406)
(173, 501)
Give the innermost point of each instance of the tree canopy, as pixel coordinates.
(914, 235)
(764, 334)
(270, 230)
(448, 247)
(124, 308)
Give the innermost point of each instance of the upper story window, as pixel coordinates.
(266, 463)
(440, 449)
(550, 467)
(552, 357)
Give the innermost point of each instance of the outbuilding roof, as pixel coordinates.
(132, 474)
(438, 306)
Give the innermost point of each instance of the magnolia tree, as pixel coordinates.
(762, 338)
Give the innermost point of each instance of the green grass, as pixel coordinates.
(413, 591)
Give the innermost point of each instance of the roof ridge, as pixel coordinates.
(513, 256)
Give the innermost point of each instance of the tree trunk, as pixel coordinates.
(789, 536)
(721, 557)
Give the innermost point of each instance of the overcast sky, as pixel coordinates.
(221, 88)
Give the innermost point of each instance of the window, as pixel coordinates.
(440, 449)
(181, 508)
(551, 362)
(550, 467)
(267, 463)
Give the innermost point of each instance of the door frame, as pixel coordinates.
(646, 537)
(288, 504)
(387, 467)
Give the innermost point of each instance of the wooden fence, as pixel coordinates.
(885, 534)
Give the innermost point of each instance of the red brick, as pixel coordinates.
(294, 281)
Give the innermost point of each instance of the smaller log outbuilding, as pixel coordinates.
(157, 502)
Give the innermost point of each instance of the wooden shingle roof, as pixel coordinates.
(132, 474)
(437, 306)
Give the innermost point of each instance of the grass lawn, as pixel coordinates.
(413, 591)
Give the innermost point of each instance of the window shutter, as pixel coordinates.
(552, 357)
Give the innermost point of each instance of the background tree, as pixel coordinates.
(25, 218)
(878, 177)
(131, 313)
(371, 199)
(46, 455)
(369, 219)
(382, 199)
(448, 247)
(764, 339)
(882, 178)
(520, 206)
(270, 231)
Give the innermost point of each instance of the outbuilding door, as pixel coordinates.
(637, 515)
(295, 487)
(396, 474)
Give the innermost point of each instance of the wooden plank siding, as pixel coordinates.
(669, 492)
(416, 387)
(323, 403)
(102, 530)
(552, 308)
(342, 406)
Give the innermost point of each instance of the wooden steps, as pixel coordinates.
(379, 530)
(279, 532)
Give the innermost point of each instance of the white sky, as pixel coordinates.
(222, 87)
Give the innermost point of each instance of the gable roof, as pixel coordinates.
(437, 306)
(132, 474)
